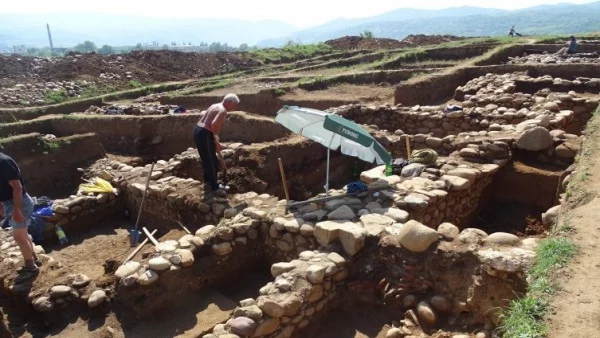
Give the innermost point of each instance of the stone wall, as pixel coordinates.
(440, 87)
(74, 213)
(302, 290)
(488, 102)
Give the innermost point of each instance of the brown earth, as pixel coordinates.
(357, 42)
(576, 307)
(145, 66)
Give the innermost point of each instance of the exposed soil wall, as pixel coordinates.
(52, 171)
(164, 136)
(24, 127)
(264, 103)
(519, 182)
(12, 115)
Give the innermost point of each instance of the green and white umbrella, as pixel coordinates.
(333, 132)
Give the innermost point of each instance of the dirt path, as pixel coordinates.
(576, 308)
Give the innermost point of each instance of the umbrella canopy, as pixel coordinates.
(333, 132)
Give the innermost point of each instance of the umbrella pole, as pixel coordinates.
(327, 174)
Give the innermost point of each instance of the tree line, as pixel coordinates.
(90, 47)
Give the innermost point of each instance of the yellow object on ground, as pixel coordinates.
(96, 185)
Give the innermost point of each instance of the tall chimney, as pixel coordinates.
(50, 38)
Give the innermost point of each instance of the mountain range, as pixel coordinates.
(69, 29)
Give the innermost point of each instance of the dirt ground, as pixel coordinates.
(576, 307)
(515, 218)
(364, 94)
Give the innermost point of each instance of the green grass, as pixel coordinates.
(51, 146)
(135, 83)
(289, 53)
(56, 96)
(524, 316)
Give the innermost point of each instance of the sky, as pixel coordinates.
(302, 13)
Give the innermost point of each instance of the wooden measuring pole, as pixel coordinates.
(283, 180)
(138, 248)
(150, 237)
(407, 147)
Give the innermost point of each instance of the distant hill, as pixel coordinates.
(464, 21)
(68, 29)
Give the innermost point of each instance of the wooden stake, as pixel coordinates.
(150, 237)
(285, 187)
(131, 255)
(407, 148)
(184, 228)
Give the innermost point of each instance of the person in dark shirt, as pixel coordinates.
(17, 205)
(571, 49)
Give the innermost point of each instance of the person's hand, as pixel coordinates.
(18, 216)
(216, 138)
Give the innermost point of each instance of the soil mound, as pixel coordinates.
(423, 40)
(357, 42)
(144, 66)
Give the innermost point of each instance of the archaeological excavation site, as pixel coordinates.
(484, 137)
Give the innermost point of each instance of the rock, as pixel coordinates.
(147, 278)
(394, 333)
(291, 305)
(197, 242)
(279, 268)
(284, 245)
(472, 236)
(513, 260)
(230, 213)
(242, 326)
(59, 291)
(315, 274)
(373, 175)
(342, 213)
(426, 313)
(552, 106)
(564, 151)
(352, 238)
(187, 257)
(375, 224)
(409, 301)
(441, 303)
(43, 304)
(483, 334)
(97, 298)
(503, 238)
(252, 311)
(413, 170)
(165, 247)
(293, 225)
(416, 237)
(159, 263)
(468, 153)
(205, 231)
(266, 327)
(307, 229)
(222, 249)
(270, 307)
(550, 217)
(456, 183)
(79, 280)
(535, 139)
(336, 259)
(396, 214)
(448, 231)
(316, 293)
(314, 216)
(185, 241)
(466, 173)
